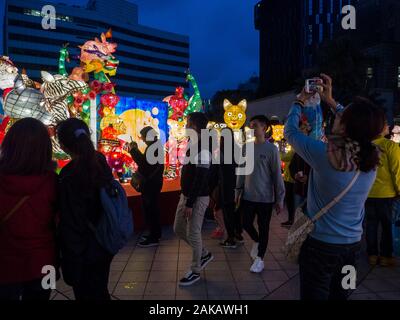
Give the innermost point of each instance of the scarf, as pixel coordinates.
(343, 153)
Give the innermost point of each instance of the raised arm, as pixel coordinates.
(309, 149)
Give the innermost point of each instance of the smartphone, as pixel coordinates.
(313, 85)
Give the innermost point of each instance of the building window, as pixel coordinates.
(310, 7)
(332, 7)
(328, 18)
(321, 6)
(37, 13)
(317, 18)
(310, 34)
(370, 72)
(398, 77)
(321, 33)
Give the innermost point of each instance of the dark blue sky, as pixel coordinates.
(224, 46)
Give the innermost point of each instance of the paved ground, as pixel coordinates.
(153, 273)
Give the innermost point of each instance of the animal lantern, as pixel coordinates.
(97, 57)
(19, 100)
(56, 90)
(235, 115)
(195, 103)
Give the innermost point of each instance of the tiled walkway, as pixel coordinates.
(153, 273)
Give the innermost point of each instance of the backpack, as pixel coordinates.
(115, 226)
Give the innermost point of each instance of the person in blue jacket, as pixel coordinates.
(335, 240)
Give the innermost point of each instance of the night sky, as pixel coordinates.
(224, 46)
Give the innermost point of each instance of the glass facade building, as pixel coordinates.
(152, 62)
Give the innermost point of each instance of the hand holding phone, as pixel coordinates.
(314, 85)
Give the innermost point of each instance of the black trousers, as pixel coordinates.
(379, 212)
(263, 211)
(151, 209)
(289, 200)
(232, 220)
(321, 266)
(93, 284)
(26, 291)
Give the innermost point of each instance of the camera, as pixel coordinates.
(314, 85)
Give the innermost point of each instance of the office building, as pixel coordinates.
(290, 34)
(152, 62)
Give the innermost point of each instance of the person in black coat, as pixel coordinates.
(152, 171)
(300, 170)
(227, 183)
(85, 264)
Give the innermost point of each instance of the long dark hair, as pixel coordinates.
(74, 137)
(363, 122)
(26, 149)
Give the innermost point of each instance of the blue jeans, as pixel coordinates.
(321, 266)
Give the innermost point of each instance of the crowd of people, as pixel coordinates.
(45, 219)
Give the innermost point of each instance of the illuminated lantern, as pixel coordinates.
(116, 161)
(195, 103)
(277, 132)
(235, 115)
(92, 95)
(3, 127)
(109, 87)
(115, 121)
(110, 133)
(96, 86)
(110, 100)
(178, 104)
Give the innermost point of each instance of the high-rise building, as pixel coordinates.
(290, 34)
(152, 62)
(280, 25)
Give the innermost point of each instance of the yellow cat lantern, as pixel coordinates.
(235, 115)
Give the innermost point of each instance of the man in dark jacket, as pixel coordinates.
(194, 198)
(152, 171)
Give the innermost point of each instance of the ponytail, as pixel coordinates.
(74, 135)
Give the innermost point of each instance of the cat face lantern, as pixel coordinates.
(235, 115)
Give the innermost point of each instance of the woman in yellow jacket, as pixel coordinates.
(378, 207)
(289, 188)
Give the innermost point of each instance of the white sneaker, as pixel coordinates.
(254, 251)
(258, 265)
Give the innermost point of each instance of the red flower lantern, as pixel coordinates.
(92, 95)
(110, 100)
(95, 85)
(108, 86)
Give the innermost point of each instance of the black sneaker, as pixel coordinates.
(287, 224)
(144, 237)
(228, 243)
(205, 260)
(189, 279)
(148, 243)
